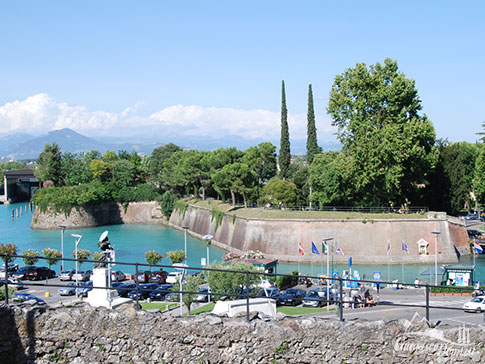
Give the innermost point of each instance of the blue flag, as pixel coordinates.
(404, 247)
(314, 249)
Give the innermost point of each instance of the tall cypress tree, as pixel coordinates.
(311, 142)
(285, 154)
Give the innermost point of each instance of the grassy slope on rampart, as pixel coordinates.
(260, 213)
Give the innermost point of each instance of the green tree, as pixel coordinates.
(389, 146)
(459, 166)
(284, 158)
(280, 192)
(153, 257)
(327, 178)
(49, 164)
(101, 170)
(229, 282)
(167, 203)
(479, 177)
(191, 284)
(262, 160)
(312, 147)
(30, 256)
(124, 173)
(176, 256)
(298, 174)
(158, 157)
(8, 249)
(237, 178)
(52, 255)
(82, 255)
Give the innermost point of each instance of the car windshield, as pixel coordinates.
(312, 294)
(478, 299)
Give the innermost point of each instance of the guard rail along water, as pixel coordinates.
(335, 285)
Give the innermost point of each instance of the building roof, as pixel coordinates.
(22, 173)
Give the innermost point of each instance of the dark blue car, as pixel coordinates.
(124, 288)
(143, 291)
(27, 297)
(291, 297)
(161, 292)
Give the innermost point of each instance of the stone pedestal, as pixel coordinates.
(103, 297)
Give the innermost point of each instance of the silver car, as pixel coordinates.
(69, 290)
(66, 275)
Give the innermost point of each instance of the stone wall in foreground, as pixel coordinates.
(81, 334)
(107, 213)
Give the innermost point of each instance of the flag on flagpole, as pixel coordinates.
(478, 249)
(404, 247)
(324, 248)
(339, 250)
(314, 249)
(300, 249)
(388, 247)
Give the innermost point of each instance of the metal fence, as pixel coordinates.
(334, 284)
(359, 209)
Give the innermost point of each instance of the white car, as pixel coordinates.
(266, 284)
(475, 305)
(173, 277)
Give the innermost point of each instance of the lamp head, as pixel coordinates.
(76, 236)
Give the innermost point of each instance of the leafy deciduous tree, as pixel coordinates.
(176, 256)
(30, 256)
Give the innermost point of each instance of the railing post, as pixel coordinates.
(427, 303)
(247, 296)
(6, 278)
(136, 282)
(341, 306)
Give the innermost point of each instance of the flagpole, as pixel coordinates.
(388, 260)
(402, 267)
(327, 281)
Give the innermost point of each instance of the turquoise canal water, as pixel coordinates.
(131, 241)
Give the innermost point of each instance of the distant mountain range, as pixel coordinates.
(20, 146)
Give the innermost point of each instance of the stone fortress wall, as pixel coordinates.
(82, 334)
(364, 240)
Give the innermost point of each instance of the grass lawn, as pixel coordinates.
(290, 214)
(206, 308)
(290, 310)
(154, 305)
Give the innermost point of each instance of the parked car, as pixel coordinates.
(158, 276)
(266, 284)
(118, 276)
(173, 277)
(143, 291)
(66, 275)
(474, 234)
(68, 290)
(22, 297)
(313, 299)
(21, 273)
(82, 275)
(142, 277)
(270, 292)
(84, 288)
(203, 295)
(12, 281)
(475, 305)
(124, 288)
(161, 292)
(291, 297)
(38, 273)
(252, 293)
(471, 217)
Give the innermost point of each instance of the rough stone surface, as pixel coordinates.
(364, 240)
(106, 213)
(82, 334)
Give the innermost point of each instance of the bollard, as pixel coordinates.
(20, 210)
(427, 303)
(6, 278)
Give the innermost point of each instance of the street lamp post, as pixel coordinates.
(79, 237)
(208, 239)
(63, 227)
(328, 268)
(436, 233)
(185, 241)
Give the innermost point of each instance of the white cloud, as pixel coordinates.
(41, 113)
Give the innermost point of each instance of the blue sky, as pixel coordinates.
(214, 68)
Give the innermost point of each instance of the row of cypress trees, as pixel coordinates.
(312, 147)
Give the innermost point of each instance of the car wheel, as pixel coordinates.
(478, 310)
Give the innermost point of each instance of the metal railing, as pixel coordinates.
(331, 283)
(359, 209)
